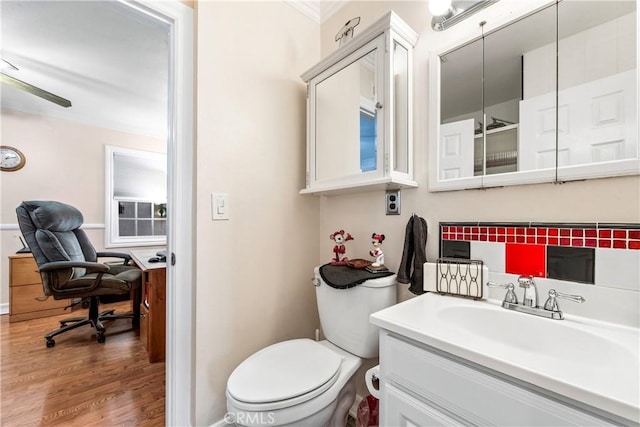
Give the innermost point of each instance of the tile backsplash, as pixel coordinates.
(606, 254)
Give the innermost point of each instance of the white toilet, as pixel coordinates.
(307, 383)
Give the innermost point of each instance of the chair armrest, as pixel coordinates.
(125, 257)
(57, 265)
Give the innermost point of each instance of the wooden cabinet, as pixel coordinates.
(153, 305)
(26, 297)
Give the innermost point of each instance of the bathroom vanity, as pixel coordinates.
(450, 361)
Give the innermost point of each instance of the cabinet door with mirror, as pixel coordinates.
(359, 125)
(546, 97)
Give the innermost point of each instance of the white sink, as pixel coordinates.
(565, 340)
(593, 362)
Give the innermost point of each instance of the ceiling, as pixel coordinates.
(110, 61)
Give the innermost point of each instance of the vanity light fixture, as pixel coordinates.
(449, 12)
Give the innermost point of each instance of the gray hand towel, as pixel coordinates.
(414, 254)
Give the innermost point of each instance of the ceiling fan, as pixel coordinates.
(27, 87)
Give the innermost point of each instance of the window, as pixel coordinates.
(136, 197)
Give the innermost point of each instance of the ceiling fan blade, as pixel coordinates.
(35, 90)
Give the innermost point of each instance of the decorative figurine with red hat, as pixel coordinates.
(340, 250)
(376, 241)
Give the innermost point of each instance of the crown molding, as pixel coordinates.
(318, 10)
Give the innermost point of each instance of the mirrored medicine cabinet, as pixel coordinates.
(548, 97)
(359, 112)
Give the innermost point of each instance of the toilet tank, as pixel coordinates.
(344, 313)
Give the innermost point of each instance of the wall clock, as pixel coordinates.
(11, 159)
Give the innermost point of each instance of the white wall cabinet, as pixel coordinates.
(422, 387)
(359, 112)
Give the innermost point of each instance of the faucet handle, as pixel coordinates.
(510, 297)
(552, 303)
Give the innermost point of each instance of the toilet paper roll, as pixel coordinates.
(373, 373)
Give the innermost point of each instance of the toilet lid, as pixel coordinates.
(284, 371)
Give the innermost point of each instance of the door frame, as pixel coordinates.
(180, 332)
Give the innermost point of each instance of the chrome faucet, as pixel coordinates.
(530, 300)
(530, 297)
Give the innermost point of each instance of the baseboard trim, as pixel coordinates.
(4, 308)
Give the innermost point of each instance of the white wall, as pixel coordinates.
(606, 200)
(65, 162)
(253, 271)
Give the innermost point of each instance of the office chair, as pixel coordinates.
(68, 265)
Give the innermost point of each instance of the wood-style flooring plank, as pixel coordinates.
(79, 382)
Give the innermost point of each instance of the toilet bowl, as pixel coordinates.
(298, 395)
(303, 382)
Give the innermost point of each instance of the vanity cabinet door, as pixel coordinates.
(401, 409)
(443, 387)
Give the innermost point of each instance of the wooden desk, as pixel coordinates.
(153, 306)
(26, 296)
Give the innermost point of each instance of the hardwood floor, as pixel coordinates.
(79, 382)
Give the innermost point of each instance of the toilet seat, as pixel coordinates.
(283, 375)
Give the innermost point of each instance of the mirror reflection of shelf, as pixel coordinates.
(501, 152)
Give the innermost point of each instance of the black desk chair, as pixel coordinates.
(68, 265)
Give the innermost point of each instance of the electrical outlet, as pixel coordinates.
(392, 202)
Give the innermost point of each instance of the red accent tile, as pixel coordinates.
(445, 229)
(475, 229)
(553, 241)
(500, 230)
(531, 231)
(604, 234)
(541, 240)
(492, 237)
(541, 231)
(459, 229)
(483, 229)
(511, 230)
(565, 242)
(590, 243)
(520, 231)
(519, 239)
(604, 243)
(501, 238)
(474, 237)
(492, 230)
(634, 244)
(511, 239)
(620, 244)
(531, 239)
(634, 234)
(565, 232)
(483, 237)
(553, 232)
(445, 236)
(459, 236)
(467, 236)
(619, 234)
(591, 233)
(525, 259)
(577, 242)
(577, 232)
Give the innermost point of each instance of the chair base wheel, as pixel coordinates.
(101, 338)
(50, 343)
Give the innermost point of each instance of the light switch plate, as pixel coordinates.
(219, 206)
